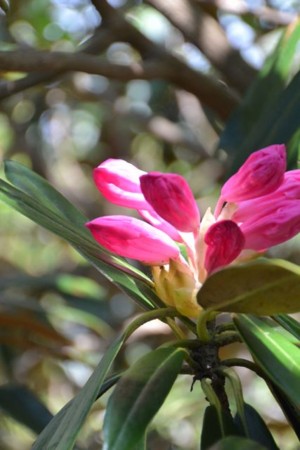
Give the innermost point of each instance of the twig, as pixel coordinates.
(207, 90)
(58, 62)
(96, 44)
(204, 32)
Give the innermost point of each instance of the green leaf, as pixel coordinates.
(237, 443)
(41, 203)
(291, 412)
(38, 188)
(262, 287)
(268, 115)
(256, 427)
(138, 396)
(289, 324)
(216, 426)
(24, 406)
(276, 355)
(61, 432)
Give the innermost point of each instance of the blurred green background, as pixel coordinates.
(57, 314)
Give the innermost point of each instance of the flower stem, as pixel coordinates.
(241, 362)
(160, 313)
(202, 325)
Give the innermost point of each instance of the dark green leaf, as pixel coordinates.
(268, 115)
(291, 412)
(61, 432)
(128, 278)
(289, 324)
(257, 429)
(216, 427)
(276, 355)
(237, 443)
(24, 406)
(262, 287)
(138, 396)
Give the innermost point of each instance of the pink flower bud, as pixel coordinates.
(279, 223)
(171, 197)
(132, 238)
(152, 217)
(251, 210)
(261, 174)
(224, 241)
(119, 182)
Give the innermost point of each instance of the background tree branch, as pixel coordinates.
(100, 41)
(207, 35)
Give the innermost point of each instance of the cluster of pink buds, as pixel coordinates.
(259, 207)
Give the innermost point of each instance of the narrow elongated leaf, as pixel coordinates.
(237, 443)
(38, 188)
(39, 197)
(268, 114)
(262, 287)
(277, 355)
(63, 429)
(291, 412)
(289, 324)
(24, 406)
(138, 396)
(117, 270)
(256, 427)
(216, 426)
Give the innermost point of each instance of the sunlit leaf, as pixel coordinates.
(117, 270)
(277, 355)
(61, 432)
(262, 287)
(138, 396)
(38, 188)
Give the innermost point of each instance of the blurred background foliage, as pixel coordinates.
(57, 314)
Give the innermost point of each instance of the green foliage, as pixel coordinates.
(261, 288)
(62, 431)
(138, 396)
(53, 314)
(257, 430)
(277, 354)
(216, 426)
(36, 199)
(268, 113)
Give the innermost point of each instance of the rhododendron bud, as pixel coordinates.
(119, 182)
(176, 286)
(224, 241)
(172, 198)
(158, 222)
(132, 238)
(290, 187)
(261, 174)
(276, 226)
(266, 205)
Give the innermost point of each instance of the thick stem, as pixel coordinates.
(207, 364)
